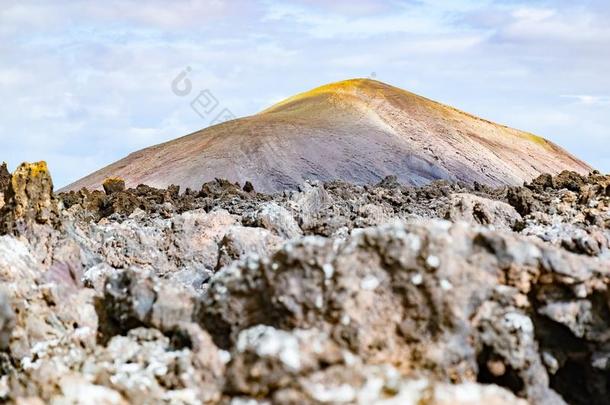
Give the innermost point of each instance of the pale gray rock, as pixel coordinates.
(482, 211)
(7, 320)
(311, 202)
(276, 219)
(333, 294)
(145, 368)
(184, 247)
(240, 241)
(288, 364)
(426, 292)
(133, 299)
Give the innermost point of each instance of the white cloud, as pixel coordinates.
(177, 14)
(349, 7)
(317, 23)
(588, 99)
(566, 24)
(14, 77)
(534, 15)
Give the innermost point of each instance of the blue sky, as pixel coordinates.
(84, 83)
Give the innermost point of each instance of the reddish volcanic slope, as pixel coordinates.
(356, 130)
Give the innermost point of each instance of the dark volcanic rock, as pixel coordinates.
(248, 187)
(7, 321)
(133, 300)
(5, 178)
(219, 187)
(569, 180)
(523, 200)
(389, 182)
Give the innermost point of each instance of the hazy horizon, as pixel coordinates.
(85, 84)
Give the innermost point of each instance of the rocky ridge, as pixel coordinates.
(332, 293)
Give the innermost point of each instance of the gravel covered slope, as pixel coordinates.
(332, 293)
(358, 131)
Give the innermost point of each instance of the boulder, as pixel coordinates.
(523, 200)
(133, 300)
(482, 211)
(422, 297)
(241, 241)
(113, 185)
(569, 180)
(276, 219)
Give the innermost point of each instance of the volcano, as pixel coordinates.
(356, 130)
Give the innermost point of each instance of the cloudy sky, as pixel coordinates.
(83, 83)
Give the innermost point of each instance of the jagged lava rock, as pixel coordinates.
(113, 185)
(29, 199)
(5, 179)
(330, 293)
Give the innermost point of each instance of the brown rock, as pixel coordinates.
(113, 185)
(523, 200)
(5, 178)
(542, 182)
(219, 187)
(29, 199)
(569, 180)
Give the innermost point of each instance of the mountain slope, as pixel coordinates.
(356, 130)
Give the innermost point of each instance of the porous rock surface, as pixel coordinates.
(332, 294)
(5, 179)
